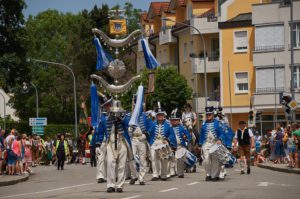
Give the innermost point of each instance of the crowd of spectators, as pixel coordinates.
(279, 146)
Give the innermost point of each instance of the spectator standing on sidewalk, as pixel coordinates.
(27, 155)
(35, 150)
(62, 151)
(279, 149)
(11, 159)
(2, 150)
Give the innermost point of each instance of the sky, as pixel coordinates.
(74, 6)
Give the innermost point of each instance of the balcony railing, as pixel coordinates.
(296, 45)
(269, 90)
(213, 96)
(269, 48)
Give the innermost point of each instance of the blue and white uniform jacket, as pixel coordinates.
(100, 132)
(180, 132)
(215, 127)
(166, 132)
(122, 126)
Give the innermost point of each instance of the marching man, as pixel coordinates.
(244, 138)
(99, 142)
(117, 146)
(182, 138)
(139, 139)
(211, 134)
(160, 134)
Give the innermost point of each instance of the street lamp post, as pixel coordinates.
(36, 96)
(204, 49)
(74, 87)
(4, 107)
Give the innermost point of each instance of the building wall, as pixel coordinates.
(238, 62)
(156, 24)
(200, 7)
(240, 6)
(180, 14)
(9, 111)
(170, 16)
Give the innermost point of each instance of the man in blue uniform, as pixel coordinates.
(211, 134)
(182, 138)
(160, 134)
(117, 146)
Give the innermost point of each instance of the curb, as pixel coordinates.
(279, 169)
(15, 181)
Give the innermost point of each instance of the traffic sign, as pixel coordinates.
(39, 130)
(39, 121)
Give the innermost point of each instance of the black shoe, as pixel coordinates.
(132, 181)
(181, 176)
(194, 170)
(128, 178)
(101, 180)
(248, 171)
(57, 168)
(154, 179)
(62, 168)
(119, 190)
(142, 183)
(110, 190)
(208, 178)
(215, 179)
(164, 179)
(173, 175)
(242, 172)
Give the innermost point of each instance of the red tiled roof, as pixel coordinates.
(157, 5)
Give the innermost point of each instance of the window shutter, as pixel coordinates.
(240, 40)
(268, 36)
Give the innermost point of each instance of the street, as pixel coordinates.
(78, 181)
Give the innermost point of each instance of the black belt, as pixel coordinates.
(97, 145)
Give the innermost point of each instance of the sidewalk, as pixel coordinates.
(6, 180)
(279, 167)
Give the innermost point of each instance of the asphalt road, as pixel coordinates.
(78, 181)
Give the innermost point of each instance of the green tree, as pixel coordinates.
(12, 42)
(171, 89)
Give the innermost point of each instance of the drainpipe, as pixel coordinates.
(153, 46)
(135, 58)
(177, 39)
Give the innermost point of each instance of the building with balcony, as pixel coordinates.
(236, 72)
(272, 55)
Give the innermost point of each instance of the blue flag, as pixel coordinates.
(103, 58)
(151, 62)
(94, 105)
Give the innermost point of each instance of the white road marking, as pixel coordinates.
(166, 190)
(46, 191)
(265, 184)
(136, 196)
(193, 183)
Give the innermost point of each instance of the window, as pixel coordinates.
(241, 82)
(185, 52)
(269, 38)
(265, 79)
(191, 47)
(296, 34)
(240, 41)
(296, 77)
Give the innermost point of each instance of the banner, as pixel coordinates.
(117, 26)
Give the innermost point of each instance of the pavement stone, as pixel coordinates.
(279, 167)
(6, 180)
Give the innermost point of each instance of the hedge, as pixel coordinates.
(50, 130)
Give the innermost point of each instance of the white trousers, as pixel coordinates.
(101, 161)
(116, 161)
(211, 165)
(140, 149)
(223, 172)
(159, 166)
